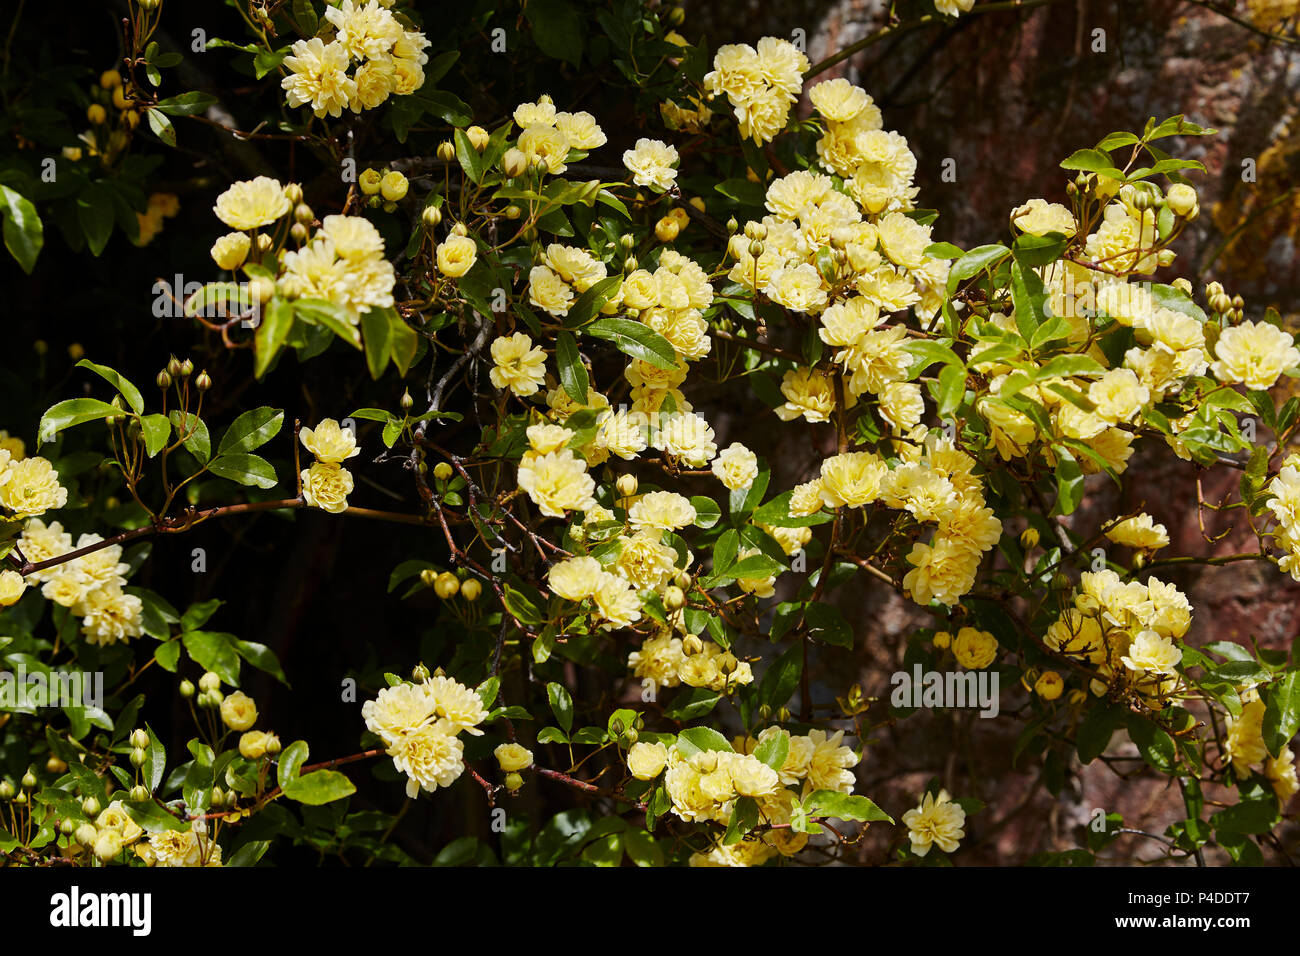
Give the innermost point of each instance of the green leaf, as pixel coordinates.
(375, 331)
(214, 651)
(1069, 482)
(272, 331)
(561, 705)
(1092, 161)
(290, 763)
(844, 806)
(1258, 815)
(192, 103)
(692, 740)
(251, 470)
(573, 374)
(161, 127)
(641, 848)
(325, 313)
(1033, 250)
(403, 342)
(557, 29)
(744, 817)
(755, 566)
(707, 512)
(72, 412)
(95, 214)
(975, 261)
(23, 231)
(1027, 297)
(586, 306)
(782, 677)
(521, 607)
(155, 760)
(1068, 366)
(471, 160)
(944, 250)
(157, 429)
(197, 442)
(1281, 712)
(1154, 744)
(264, 61)
(261, 657)
(636, 340)
(168, 655)
(304, 15)
(776, 513)
(319, 787)
(774, 750)
(1096, 730)
(826, 623)
(950, 390)
(251, 430)
(1116, 140)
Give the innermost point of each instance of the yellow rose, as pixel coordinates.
(252, 745)
(230, 250)
(12, 585)
(647, 760)
(238, 711)
(456, 255)
(974, 649)
(513, 757)
(327, 486)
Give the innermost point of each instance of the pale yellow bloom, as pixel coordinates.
(252, 203)
(512, 757)
(736, 466)
(557, 482)
(238, 711)
(1254, 354)
(651, 163)
(327, 486)
(518, 364)
(936, 822)
(456, 255)
(664, 510)
(329, 442)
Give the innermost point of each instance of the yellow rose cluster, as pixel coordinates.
(29, 486)
(934, 483)
(1104, 408)
(1127, 631)
(326, 484)
(389, 61)
(761, 84)
(1244, 748)
(665, 660)
(564, 273)
(704, 785)
(549, 139)
(552, 475)
(420, 726)
(1285, 505)
(89, 586)
(180, 848)
(342, 262)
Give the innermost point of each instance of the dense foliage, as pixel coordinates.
(510, 285)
